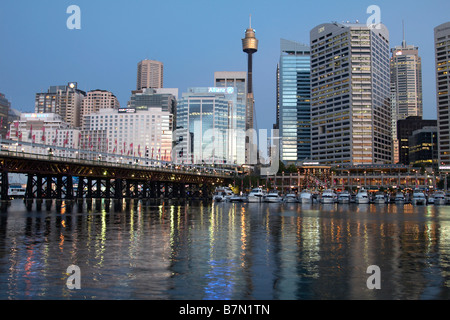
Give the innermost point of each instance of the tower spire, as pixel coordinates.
(250, 22)
(404, 39)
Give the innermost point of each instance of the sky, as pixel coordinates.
(193, 39)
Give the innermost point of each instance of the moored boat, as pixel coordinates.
(418, 198)
(362, 197)
(290, 197)
(327, 197)
(273, 197)
(306, 197)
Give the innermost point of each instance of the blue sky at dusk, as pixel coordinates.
(193, 38)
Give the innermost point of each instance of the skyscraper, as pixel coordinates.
(406, 87)
(205, 127)
(350, 109)
(64, 100)
(294, 91)
(442, 57)
(249, 46)
(237, 80)
(149, 74)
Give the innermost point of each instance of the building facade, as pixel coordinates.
(405, 129)
(5, 107)
(145, 134)
(442, 58)
(98, 99)
(294, 92)
(423, 149)
(153, 98)
(46, 134)
(206, 127)
(149, 74)
(350, 108)
(406, 88)
(64, 100)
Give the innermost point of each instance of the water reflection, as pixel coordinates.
(194, 250)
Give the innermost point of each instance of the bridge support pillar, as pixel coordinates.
(4, 187)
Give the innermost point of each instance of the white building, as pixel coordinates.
(129, 132)
(43, 133)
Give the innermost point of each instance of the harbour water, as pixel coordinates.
(242, 251)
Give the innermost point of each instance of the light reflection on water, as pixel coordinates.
(195, 250)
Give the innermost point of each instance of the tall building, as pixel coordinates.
(405, 128)
(238, 80)
(250, 46)
(406, 88)
(5, 106)
(149, 74)
(294, 91)
(206, 131)
(442, 57)
(64, 100)
(98, 99)
(350, 109)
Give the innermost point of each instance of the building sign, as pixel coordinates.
(227, 90)
(444, 168)
(127, 110)
(36, 115)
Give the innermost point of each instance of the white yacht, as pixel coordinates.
(418, 198)
(362, 197)
(222, 194)
(399, 198)
(328, 196)
(344, 197)
(380, 198)
(273, 197)
(306, 197)
(430, 199)
(290, 197)
(439, 197)
(256, 195)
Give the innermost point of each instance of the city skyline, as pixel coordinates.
(109, 34)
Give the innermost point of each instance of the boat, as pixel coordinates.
(344, 197)
(306, 197)
(236, 198)
(380, 198)
(399, 198)
(430, 199)
(222, 194)
(362, 197)
(273, 197)
(439, 197)
(16, 191)
(290, 197)
(418, 198)
(328, 196)
(256, 195)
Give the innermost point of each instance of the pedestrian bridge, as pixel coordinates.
(51, 177)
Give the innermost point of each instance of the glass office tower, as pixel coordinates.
(294, 101)
(205, 117)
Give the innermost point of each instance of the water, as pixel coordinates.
(201, 250)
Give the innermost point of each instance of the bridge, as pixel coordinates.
(70, 178)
